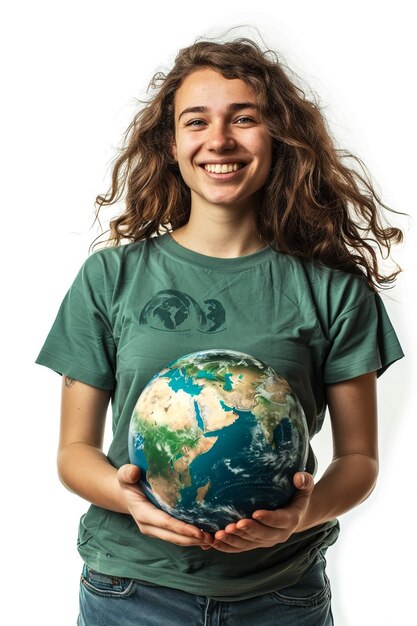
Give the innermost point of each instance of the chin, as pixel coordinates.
(225, 198)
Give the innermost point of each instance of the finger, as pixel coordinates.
(230, 539)
(303, 481)
(154, 522)
(271, 533)
(153, 517)
(247, 529)
(168, 535)
(223, 547)
(304, 484)
(128, 474)
(170, 529)
(245, 532)
(232, 542)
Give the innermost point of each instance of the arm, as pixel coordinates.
(351, 476)
(348, 480)
(84, 468)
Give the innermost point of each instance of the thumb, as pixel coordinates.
(128, 474)
(304, 482)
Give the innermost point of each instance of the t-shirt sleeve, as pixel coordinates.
(362, 340)
(80, 343)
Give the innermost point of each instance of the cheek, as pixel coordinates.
(262, 146)
(267, 146)
(264, 156)
(184, 162)
(185, 151)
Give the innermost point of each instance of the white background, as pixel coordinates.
(72, 71)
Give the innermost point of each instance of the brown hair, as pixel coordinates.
(313, 205)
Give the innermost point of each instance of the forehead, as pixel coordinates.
(206, 87)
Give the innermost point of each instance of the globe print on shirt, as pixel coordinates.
(218, 434)
(174, 310)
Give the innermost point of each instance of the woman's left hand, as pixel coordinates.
(267, 528)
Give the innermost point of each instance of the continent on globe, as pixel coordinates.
(217, 435)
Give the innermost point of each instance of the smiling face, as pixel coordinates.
(221, 144)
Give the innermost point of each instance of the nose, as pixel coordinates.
(220, 138)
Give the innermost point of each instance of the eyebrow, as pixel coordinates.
(232, 108)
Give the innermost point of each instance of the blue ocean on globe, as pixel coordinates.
(218, 434)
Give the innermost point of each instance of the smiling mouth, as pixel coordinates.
(222, 168)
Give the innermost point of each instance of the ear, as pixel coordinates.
(174, 151)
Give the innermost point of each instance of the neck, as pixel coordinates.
(220, 234)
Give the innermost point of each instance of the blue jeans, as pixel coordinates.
(114, 601)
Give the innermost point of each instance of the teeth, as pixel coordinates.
(225, 168)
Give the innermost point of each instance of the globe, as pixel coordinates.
(217, 435)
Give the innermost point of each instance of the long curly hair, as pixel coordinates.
(318, 201)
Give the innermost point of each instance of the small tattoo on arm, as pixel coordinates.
(69, 381)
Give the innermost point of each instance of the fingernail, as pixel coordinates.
(303, 480)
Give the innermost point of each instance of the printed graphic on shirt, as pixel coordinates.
(174, 310)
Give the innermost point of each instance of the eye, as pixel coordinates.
(195, 123)
(245, 120)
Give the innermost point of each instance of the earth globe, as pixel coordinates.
(217, 435)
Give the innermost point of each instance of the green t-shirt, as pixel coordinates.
(135, 308)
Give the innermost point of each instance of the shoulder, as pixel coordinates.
(333, 292)
(107, 265)
(113, 256)
(323, 277)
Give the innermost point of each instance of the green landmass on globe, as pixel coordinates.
(217, 435)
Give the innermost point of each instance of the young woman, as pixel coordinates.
(247, 231)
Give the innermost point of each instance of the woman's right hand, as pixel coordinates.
(151, 520)
(85, 469)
